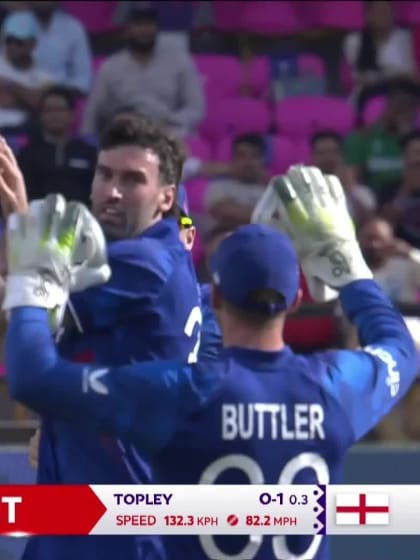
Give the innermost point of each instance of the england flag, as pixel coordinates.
(362, 509)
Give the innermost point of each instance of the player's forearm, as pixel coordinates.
(32, 361)
(123, 400)
(378, 322)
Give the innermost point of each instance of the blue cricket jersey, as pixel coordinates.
(150, 309)
(211, 336)
(248, 417)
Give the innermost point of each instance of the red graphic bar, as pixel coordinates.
(48, 510)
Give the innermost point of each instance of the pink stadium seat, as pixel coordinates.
(374, 108)
(407, 12)
(199, 148)
(222, 76)
(269, 18)
(258, 76)
(299, 117)
(227, 14)
(223, 148)
(196, 190)
(234, 116)
(96, 16)
(339, 14)
(311, 64)
(286, 152)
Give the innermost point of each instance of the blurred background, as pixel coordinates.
(250, 88)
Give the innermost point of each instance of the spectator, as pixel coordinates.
(22, 81)
(396, 268)
(394, 263)
(380, 51)
(63, 47)
(327, 155)
(158, 81)
(410, 413)
(376, 153)
(404, 211)
(53, 161)
(230, 201)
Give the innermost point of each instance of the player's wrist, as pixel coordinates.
(33, 291)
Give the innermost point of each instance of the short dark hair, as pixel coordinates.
(252, 139)
(263, 301)
(145, 134)
(59, 91)
(326, 135)
(413, 136)
(144, 15)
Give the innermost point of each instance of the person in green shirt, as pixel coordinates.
(376, 153)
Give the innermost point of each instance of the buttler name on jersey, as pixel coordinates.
(301, 421)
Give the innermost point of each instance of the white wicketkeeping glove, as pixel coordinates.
(311, 209)
(91, 252)
(52, 250)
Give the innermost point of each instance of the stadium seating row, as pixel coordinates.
(225, 79)
(261, 18)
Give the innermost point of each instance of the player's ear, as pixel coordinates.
(296, 303)
(216, 297)
(191, 233)
(167, 198)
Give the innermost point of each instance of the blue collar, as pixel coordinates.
(258, 358)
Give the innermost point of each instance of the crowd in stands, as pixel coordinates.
(241, 117)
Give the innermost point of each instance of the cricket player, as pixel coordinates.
(149, 309)
(210, 335)
(199, 423)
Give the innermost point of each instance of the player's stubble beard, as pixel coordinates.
(128, 229)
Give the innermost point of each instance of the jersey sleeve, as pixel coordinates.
(369, 382)
(211, 337)
(140, 270)
(141, 402)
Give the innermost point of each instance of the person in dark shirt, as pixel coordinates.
(403, 209)
(53, 160)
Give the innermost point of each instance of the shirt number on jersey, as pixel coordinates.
(255, 476)
(195, 318)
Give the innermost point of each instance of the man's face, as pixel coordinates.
(127, 195)
(412, 164)
(142, 36)
(56, 115)
(326, 155)
(187, 237)
(402, 112)
(247, 163)
(375, 238)
(380, 16)
(411, 417)
(18, 50)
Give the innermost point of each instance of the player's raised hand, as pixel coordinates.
(313, 211)
(46, 250)
(13, 196)
(91, 261)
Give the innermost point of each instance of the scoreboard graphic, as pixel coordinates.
(209, 510)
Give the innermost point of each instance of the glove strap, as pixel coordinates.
(33, 291)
